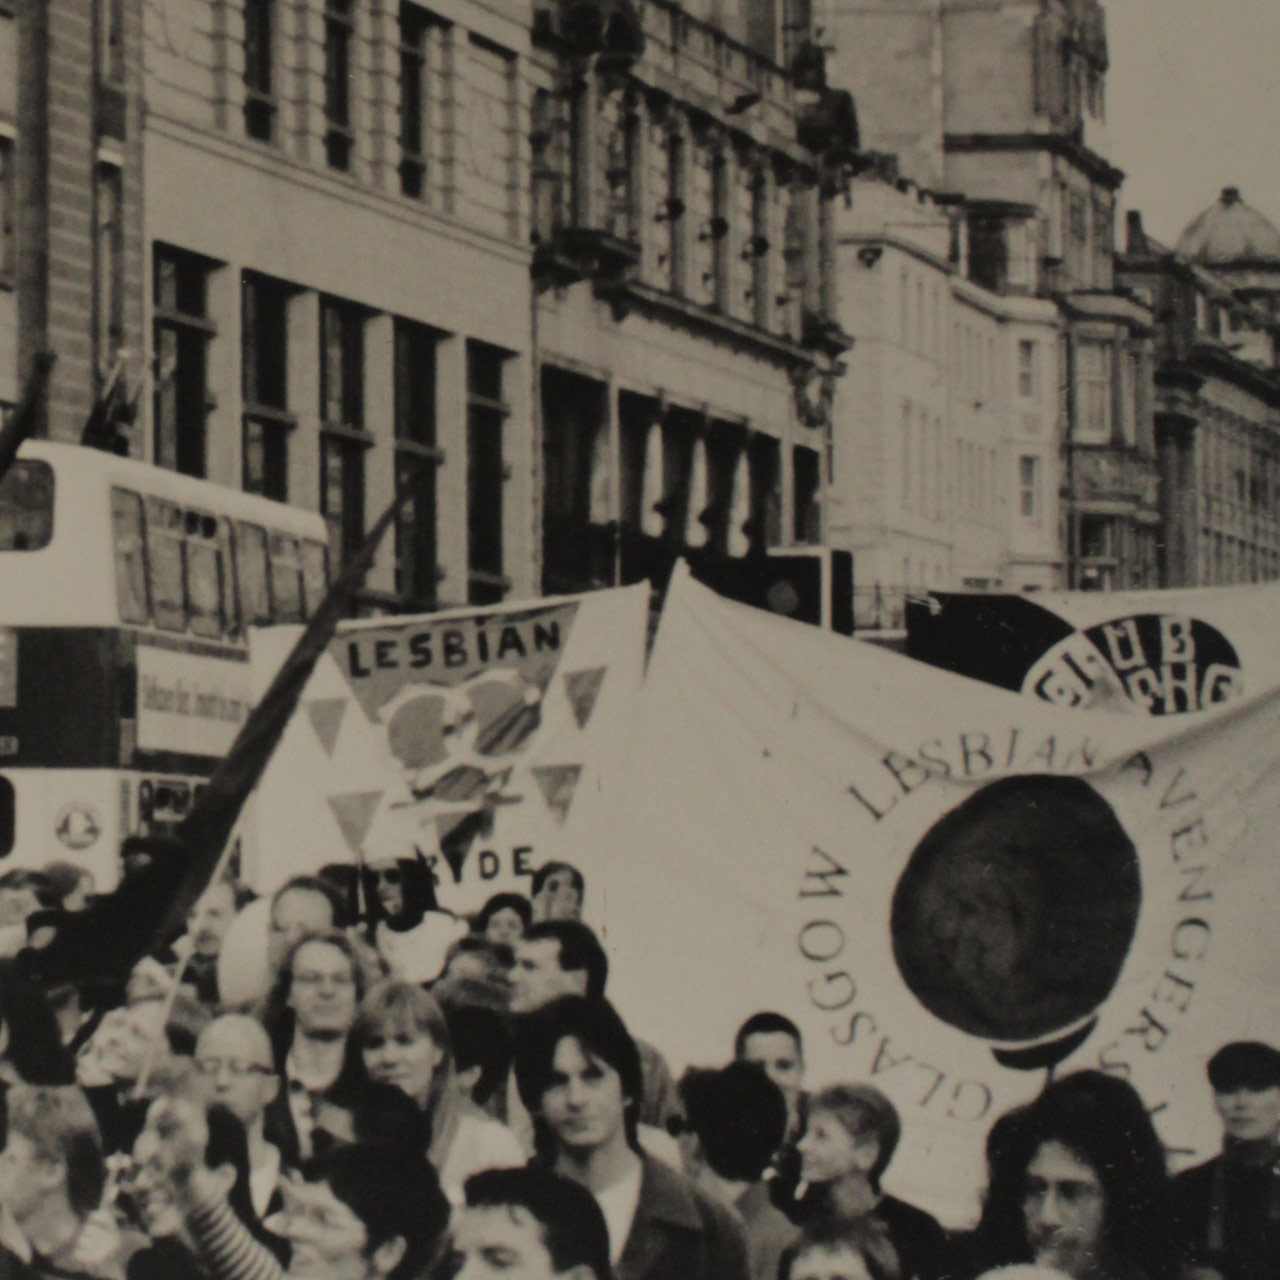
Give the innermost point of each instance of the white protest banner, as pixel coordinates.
(951, 888)
(1139, 652)
(482, 737)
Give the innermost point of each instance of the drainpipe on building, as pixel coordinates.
(1073, 516)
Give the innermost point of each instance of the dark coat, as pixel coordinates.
(680, 1233)
(1250, 1221)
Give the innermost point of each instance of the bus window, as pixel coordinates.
(251, 575)
(204, 576)
(131, 559)
(26, 506)
(230, 598)
(164, 560)
(315, 573)
(286, 578)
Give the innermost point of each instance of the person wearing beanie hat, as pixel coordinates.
(1227, 1210)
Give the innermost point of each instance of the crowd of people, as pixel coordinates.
(410, 1096)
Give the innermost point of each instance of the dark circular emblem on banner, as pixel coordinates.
(1015, 912)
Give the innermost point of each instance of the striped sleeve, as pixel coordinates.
(227, 1247)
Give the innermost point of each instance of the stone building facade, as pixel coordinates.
(1217, 391)
(946, 424)
(1000, 108)
(323, 241)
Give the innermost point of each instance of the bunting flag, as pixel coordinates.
(952, 888)
(486, 736)
(326, 719)
(583, 688)
(557, 783)
(354, 813)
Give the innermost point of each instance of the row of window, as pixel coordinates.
(1238, 477)
(424, 67)
(925, 486)
(711, 222)
(183, 333)
(1225, 560)
(683, 479)
(186, 570)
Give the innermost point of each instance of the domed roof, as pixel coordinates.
(1229, 231)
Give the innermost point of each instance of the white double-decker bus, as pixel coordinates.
(126, 592)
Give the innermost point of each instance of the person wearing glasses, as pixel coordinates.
(309, 1017)
(234, 1069)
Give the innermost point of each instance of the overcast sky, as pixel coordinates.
(1193, 105)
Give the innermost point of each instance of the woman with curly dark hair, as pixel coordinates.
(1078, 1184)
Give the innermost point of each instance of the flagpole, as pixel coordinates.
(207, 829)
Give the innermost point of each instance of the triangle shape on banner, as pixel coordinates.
(583, 688)
(354, 812)
(326, 719)
(558, 783)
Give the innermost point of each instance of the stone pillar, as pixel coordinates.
(302, 96)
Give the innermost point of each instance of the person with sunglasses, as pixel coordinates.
(407, 926)
(234, 1069)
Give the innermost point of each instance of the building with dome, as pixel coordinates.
(1216, 298)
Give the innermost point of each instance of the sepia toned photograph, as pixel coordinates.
(639, 639)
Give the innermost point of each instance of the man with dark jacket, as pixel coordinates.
(578, 1072)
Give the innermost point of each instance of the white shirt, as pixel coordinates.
(417, 954)
(264, 1179)
(619, 1203)
(479, 1143)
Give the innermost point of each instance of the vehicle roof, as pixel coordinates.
(81, 461)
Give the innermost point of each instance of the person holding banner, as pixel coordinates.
(578, 1070)
(1229, 1207)
(852, 1133)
